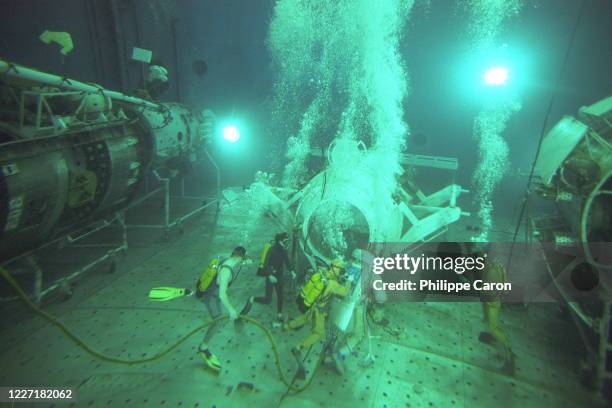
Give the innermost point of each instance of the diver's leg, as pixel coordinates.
(317, 320)
(213, 305)
(486, 336)
(279, 297)
(268, 297)
(357, 332)
(318, 329)
(298, 322)
(493, 309)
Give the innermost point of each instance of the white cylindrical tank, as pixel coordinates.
(349, 204)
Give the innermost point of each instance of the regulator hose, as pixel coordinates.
(80, 343)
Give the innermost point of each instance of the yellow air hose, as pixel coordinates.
(22, 295)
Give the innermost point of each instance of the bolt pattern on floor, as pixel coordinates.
(433, 359)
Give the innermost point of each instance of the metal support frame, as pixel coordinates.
(586, 325)
(437, 216)
(41, 102)
(437, 162)
(60, 123)
(75, 242)
(69, 242)
(604, 374)
(28, 74)
(164, 188)
(217, 173)
(437, 210)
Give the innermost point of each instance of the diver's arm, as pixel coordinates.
(286, 259)
(334, 288)
(224, 279)
(287, 263)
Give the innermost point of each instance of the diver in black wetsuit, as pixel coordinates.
(276, 261)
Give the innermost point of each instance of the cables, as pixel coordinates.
(80, 343)
(543, 129)
(62, 327)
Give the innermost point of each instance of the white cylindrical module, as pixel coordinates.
(77, 153)
(575, 164)
(177, 133)
(53, 185)
(348, 205)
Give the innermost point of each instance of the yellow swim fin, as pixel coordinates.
(163, 294)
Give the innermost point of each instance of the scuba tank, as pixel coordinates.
(311, 291)
(208, 276)
(262, 259)
(342, 311)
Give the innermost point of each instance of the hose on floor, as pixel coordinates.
(68, 333)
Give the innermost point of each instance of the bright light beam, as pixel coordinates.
(496, 76)
(231, 133)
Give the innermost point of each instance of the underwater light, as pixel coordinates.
(231, 133)
(496, 76)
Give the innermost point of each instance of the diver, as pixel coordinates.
(313, 303)
(155, 83)
(351, 315)
(275, 260)
(213, 286)
(494, 272)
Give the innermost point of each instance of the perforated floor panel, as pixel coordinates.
(434, 360)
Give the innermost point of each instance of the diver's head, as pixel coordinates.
(282, 238)
(239, 252)
(336, 269)
(157, 73)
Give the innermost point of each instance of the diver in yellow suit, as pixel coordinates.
(494, 272)
(313, 303)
